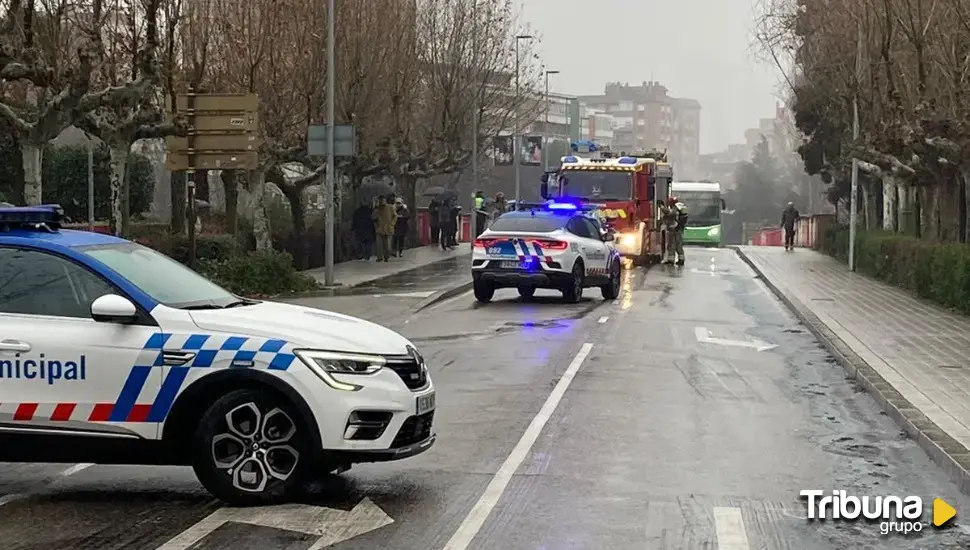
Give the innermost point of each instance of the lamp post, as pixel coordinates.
(516, 147)
(329, 213)
(545, 133)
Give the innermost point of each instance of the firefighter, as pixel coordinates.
(674, 216)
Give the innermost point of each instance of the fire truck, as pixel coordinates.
(627, 189)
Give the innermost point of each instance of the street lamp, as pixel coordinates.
(516, 147)
(545, 134)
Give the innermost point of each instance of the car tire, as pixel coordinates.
(527, 292)
(251, 448)
(483, 291)
(611, 290)
(574, 292)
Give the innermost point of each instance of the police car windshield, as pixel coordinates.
(526, 223)
(162, 278)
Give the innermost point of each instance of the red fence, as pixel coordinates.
(424, 227)
(99, 227)
(809, 233)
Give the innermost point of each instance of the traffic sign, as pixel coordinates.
(222, 103)
(177, 162)
(344, 140)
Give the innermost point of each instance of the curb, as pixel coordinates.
(446, 294)
(944, 450)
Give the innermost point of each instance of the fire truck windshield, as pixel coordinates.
(597, 185)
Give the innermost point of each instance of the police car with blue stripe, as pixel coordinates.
(557, 245)
(112, 353)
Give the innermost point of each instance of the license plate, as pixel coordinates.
(425, 403)
(509, 265)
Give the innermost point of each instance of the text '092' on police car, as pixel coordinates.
(557, 245)
(112, 353)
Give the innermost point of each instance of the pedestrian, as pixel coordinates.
(385, 219)
(790, 217)
(674, 215)
(433, 217)
(455, 224)
(481, 217)
(401, 226)
(501, 206)
(363, 226)
(445, 223)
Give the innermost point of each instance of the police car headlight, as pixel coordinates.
(327, 363)
(714, 232)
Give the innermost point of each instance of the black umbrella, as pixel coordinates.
(372, 189)
(433, 192)
(446, 195)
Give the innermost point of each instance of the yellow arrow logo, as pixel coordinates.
(942, 512)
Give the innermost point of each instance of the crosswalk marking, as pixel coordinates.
(729, 526)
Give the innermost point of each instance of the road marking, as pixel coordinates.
(704, 337)
(500, 481)
(75, 469)
(330, 526)
(729, 526)
(604, 320)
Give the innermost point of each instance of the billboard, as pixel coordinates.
(531, 150)
(502, 150)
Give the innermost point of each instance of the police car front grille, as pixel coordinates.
(414, 376)
(414, 430)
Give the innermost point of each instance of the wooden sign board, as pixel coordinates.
(179, 162)
(214, 142)
(216, 102)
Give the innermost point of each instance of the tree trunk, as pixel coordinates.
(889, 203)
(949, 209)
(965, 217)
(178, 202)
(929, 212)
(119, 216)
(230, 183)
(261, 229)
(866, 207)
(907, 209)
(32, 156)
(294, 194)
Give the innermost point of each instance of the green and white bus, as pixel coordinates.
(704, 207)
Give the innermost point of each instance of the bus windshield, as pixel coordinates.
(597, 185)
(703, 207)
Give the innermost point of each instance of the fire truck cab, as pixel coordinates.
(628, 186)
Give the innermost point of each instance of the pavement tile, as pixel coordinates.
(921, 350)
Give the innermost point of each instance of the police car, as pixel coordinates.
(555, 245)
(112, 353)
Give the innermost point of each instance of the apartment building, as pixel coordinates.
(647, 117)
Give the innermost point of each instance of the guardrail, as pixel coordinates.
(809, 233)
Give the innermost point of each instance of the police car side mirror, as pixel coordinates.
(112, 308)
(609, 236)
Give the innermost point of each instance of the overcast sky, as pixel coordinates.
(696, 48)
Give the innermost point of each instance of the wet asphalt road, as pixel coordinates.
(654, 440)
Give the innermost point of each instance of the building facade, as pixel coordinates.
(646, 117)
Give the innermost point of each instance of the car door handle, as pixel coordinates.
(176, 358)
(14, 345)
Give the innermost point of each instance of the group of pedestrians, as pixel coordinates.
(384, 222)
(443, 213)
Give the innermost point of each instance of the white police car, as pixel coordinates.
(112, 353)
(546, 245)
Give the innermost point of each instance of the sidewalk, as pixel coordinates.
(914, 357)
(358, 272)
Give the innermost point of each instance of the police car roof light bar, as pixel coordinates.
(48, 217)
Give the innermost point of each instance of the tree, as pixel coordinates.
(759, 195)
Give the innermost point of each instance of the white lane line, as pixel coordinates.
(75, 469)
(500, 481)
(603, 320)
(729, 526)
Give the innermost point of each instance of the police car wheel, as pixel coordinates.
(527, 291)
(250, 449)
(611, 290)
(484, 291)
(574, 292)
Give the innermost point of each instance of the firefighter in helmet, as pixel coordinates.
(674, 216)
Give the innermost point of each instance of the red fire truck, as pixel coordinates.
(627, 187)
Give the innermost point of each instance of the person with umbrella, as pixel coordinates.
(363, 227)
(433, 212)
(446, 222)
(401, 227)
(385, 219)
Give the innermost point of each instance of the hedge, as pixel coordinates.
(260, 273)
(936, 272)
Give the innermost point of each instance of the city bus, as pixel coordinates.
(704, 207)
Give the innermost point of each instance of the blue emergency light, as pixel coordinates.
(561, 206)
(570, 160)
(45, 216)
(627, 160)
